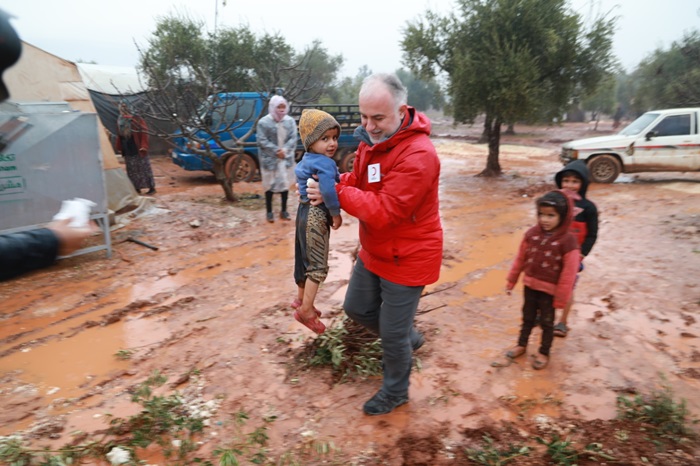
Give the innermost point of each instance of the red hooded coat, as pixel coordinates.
(549, 261)
(400, 228)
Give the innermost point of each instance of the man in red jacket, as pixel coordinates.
(393, 192)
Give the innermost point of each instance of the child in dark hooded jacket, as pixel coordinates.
(574, 178)
(548, 258)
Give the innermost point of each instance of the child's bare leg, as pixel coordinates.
(300, 296)
(307, 310)
(300, 293)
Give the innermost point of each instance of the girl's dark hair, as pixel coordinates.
(557, 200)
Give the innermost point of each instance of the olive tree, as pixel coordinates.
(186, 70)
(669, 78)
(510, 60)
(423, 94)
(348, 89)
(602, 99)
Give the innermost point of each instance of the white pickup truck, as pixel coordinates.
(659, 140)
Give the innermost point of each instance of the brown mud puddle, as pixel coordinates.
(213, 300)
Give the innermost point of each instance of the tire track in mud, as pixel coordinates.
(82, 320)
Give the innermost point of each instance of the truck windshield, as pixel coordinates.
(638, 125)
(229, 114)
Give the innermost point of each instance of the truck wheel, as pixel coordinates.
(347, 162)
(246, 168)
(604, 168)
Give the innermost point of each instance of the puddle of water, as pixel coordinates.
(69, 319)
(538, 393)
(58, 322)
(69, 363)
(490, 284)
(66, 368)
(480, 254)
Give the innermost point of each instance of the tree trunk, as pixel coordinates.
(510, 130)
(222, 179)
(493, 167)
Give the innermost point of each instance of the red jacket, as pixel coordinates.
(400, 228)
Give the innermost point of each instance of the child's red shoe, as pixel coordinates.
(314, 325)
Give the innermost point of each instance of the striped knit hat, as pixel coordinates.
(313, 123)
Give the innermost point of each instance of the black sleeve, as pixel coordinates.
(26, 251)
(591, 212)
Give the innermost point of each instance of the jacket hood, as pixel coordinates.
(579, 167)
(413, 122)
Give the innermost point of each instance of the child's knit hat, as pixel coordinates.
(313, 123)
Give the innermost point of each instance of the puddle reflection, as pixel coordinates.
(67, 367)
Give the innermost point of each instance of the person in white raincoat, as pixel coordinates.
(277, 141)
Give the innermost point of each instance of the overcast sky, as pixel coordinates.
(365, 32)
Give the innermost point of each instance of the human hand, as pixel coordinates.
(143, 152)
(281, 154)
(313, 192)
(337, 221)
(70, 238)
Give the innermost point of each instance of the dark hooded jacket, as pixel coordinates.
(585, 224)
(548, 260)
(400, 228)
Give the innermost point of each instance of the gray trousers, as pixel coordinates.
(387, 309)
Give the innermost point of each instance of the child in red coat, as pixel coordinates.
(549, 259)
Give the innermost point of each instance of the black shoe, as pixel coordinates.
(270, 217)
(420, 341)
(151, 191)
(284, 215)
(381, 403)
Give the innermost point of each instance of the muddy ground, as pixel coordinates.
(210, 310)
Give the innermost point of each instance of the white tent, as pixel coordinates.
(111, 79)
(39, 76)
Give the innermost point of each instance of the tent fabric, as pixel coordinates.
(39, 76)
(113, 80)
(73, 92)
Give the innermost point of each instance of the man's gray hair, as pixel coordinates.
(391, 82)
